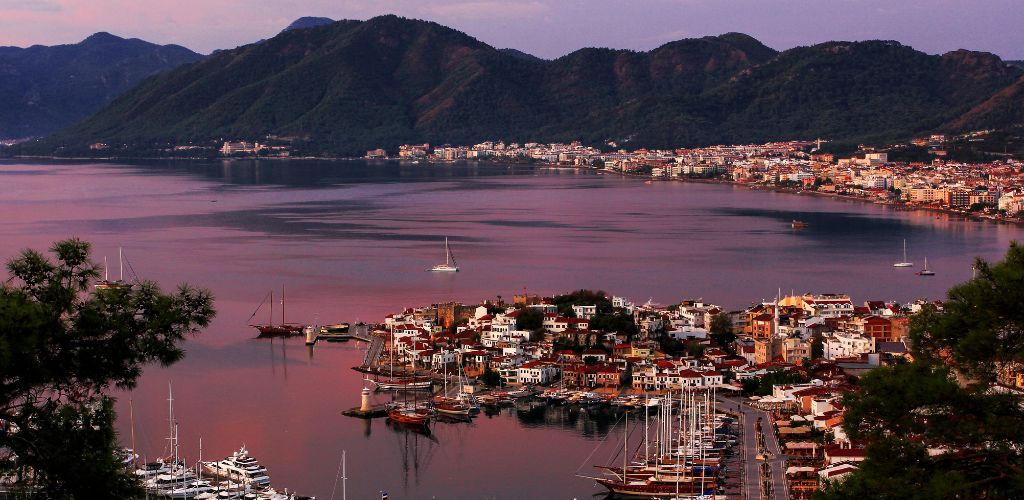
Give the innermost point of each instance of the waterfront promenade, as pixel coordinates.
(752, 478)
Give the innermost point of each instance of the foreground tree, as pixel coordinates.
(948, 401)
(62, 346)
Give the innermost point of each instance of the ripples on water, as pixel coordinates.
(352, 241)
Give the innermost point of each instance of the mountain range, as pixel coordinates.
(347, 86)
(43, 89)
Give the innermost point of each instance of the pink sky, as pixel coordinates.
(547, 28)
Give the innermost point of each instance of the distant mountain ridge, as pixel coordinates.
(348, 86)
(46, 88)
(308, 22)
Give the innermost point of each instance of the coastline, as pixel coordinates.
(723, 182)
(845, 197)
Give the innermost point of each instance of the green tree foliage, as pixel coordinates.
(763, 386)
(583, 298)
(721, 332)
(530, 318)
(62, 346)
(916, 476)
(490, 377)
(982, 326)
(618, 322)
(817, 346)
(945, 399)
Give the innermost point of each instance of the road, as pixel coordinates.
(774, 457)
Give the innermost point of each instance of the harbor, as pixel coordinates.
(172, 476)
(284, 399)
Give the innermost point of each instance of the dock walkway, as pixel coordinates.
(373, 353)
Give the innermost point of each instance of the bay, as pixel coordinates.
(351, 241)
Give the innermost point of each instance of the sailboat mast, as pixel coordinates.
(131, 413)
(271, 321)
(120, 259)
(647, 422)
(904, 250)
(282, 304)
(106, 270)
(170, 413)
(625, 447)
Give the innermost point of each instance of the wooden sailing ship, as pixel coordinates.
(270, 329)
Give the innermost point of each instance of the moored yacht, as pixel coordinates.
(904, 262)
(449, 265)
(241, 467)
(151, 469)
(179, 482)
(926, 271)
(105, 283)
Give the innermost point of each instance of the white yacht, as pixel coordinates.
(904, 262)
(152, 469)
(190, 489)
(105, 283)
(449, 265)
(180, 482)
(240, 467)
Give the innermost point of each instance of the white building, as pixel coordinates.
(585, 312)
(535, 372)
(848, 345)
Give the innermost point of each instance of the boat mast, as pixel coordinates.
(904, 249)
(170, 415)
(625, 448)
(282, 305)
(131, 413)
(120, 259)
(447, 252)
(271, 321)
(106, 271)
(647, 421)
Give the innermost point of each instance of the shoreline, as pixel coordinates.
(1017, 221)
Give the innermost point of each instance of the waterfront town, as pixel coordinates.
(789, 361)
(992, 190)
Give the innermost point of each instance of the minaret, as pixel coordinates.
(775, 333)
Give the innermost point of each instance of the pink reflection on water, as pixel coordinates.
(354, 248)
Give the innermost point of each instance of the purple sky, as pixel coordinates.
(547, 28)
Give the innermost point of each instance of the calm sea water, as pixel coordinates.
(351, 241)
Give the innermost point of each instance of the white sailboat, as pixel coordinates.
(105, 283)
(904, 262)
(926, 271)
(449, 265)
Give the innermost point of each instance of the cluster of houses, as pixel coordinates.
(787, 332)
(564, 349)
(993, 189)
(825, 338)
(245, 148)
